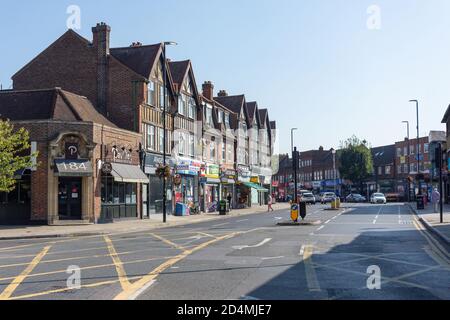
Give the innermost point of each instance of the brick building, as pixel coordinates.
(126, 86)
(73, 142)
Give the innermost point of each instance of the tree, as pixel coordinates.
(13, 145)
(356, 162)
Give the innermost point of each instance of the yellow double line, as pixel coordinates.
(439, 253)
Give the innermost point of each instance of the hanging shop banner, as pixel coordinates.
(244, 173)
(212, 171)
(227, 175)
(254, 180)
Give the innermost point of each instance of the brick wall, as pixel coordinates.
(69, 63)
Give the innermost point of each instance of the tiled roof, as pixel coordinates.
(263, 115)
(54, 104)
(178, 70)
(251, 109)
(140, 59)
(234, 103)
(273, 125)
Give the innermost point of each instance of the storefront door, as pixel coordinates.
(69, 198)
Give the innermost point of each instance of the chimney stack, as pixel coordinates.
(208, 90)
(101, 43)
(223, 93)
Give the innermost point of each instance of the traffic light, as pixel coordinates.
(438, 156)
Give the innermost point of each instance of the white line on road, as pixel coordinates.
(243, 220)
(220, 225)
(321, 228)
(302, 250)
(141, 290)
(272, 258)
(255, 246)
(328, 222)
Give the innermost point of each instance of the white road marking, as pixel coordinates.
(321, 228)
(302, 251)
(278, 218)
(272, 258)
(242, 220)
(220, 225)
(141, 290)
(328, 222)
(255, 246)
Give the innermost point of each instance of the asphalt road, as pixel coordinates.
(248, 258)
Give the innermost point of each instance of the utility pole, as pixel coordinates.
(438, 157)
(418, 146)
(409, 162)
(164, 113)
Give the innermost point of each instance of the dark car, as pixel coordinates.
(308, 198)
(355, 198)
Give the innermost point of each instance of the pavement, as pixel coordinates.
(378, 252)
(432, 220)
(155, 222)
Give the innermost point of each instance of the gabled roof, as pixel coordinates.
(48, 104)
(68, 34)
(140, 59)
(447, 115)
(235, 104)
(273, 125)
(263, 115)
(253, 112)
(179, 70)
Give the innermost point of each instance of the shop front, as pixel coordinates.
(228, 183)
(15, 206)
(186, 189)
(210, 187)
(154, 203)
(119, 190)
(243, 192)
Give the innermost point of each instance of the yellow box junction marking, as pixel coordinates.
(130, 291)
(118, 264)
(6, 294)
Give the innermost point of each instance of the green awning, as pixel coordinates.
(256, 187)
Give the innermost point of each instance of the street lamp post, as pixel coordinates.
(164, 44)
(295, 161)
(334, 170)
(409, 164)
(418, 145)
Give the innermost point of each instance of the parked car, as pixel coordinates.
(378, 198)
(355, 198)
(328, 197)
(308, 198)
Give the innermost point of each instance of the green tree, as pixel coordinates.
(356, 163)
(14, 144)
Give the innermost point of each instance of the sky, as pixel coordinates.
(332, 69)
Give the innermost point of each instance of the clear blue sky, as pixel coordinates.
(314, 63)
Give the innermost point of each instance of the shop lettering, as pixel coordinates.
(74, 166)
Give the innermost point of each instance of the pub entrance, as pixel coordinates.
(70, 198)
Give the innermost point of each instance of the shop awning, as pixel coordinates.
(73, 168)
(128, 173)
(256, 187)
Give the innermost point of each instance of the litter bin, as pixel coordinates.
(223, 208)
(420, 202)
